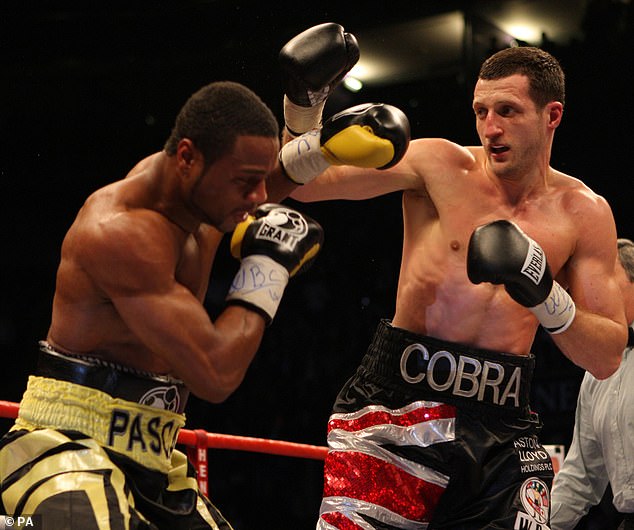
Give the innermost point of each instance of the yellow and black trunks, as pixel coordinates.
(142, 433)
(70, 481)
(85, 459)
(146, 388)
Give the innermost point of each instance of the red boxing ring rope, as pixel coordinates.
(199, 440)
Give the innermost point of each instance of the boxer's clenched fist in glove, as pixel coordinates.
(500, 253)
(313, 63)
(371, 135)
(274, 244)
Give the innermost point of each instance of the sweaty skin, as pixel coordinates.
(135, 267)
(449, 190)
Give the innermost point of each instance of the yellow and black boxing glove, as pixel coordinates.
(371, 135)
(274, 244)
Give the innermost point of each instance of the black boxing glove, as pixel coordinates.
(313, 63)
(501, 253)
(371, 135)
(274, 244)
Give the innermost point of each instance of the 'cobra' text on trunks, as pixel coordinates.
(461, 375)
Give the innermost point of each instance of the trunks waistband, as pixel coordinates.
(449, 372)
(145, 388)
(144, 434)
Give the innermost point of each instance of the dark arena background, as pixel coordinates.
(90, 88)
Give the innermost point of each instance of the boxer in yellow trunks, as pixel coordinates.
(93, 446)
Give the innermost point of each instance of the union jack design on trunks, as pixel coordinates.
(364, 478)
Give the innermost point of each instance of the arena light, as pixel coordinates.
(529, 20)
(434, 45)
(352, 83)
(409, 50)
(525, 32)
(366, 68)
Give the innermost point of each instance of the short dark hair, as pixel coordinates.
(214, 116)
(545, 76)
(626, 256)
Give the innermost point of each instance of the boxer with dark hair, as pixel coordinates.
(129, 338)
(93, 445)
(434, 430)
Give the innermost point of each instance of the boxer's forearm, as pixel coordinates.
(593, 342)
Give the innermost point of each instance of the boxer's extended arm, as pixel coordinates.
(366, 136)
(425, 158)
(132, 260)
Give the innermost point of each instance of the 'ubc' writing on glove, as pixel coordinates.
(274, 244)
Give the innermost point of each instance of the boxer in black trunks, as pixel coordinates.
(496, 242)
(450, 424)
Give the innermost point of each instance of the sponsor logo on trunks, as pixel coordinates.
(284, 226)
(534, 264)
(461, 375)
(533, 457)
(162, 397)
(138, 431)
(535, 498)
(525, 522)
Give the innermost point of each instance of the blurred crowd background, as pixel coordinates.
(88, 89)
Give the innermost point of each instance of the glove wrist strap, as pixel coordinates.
(302, 158)
(557, 312)
(300, 119)
(259, 282)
